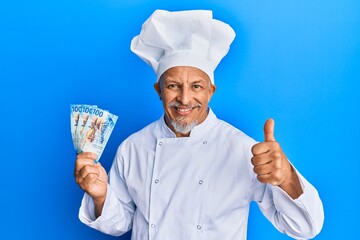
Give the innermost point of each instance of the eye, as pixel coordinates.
(172, 86)
(197, 87)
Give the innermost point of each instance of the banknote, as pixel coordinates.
(92, 126)
(98, 133)
(85, 112)
(75, 110)
(93, 129)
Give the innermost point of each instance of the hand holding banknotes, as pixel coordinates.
(91, 128)
(92, 178)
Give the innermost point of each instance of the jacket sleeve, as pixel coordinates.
(301, 218)
(118, 210)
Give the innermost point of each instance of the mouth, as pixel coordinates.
(183, 111)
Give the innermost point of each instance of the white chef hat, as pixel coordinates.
(185, 38)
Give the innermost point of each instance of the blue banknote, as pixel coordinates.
(92, 130)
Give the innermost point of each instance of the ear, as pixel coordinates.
(158, 89)
(212, 90)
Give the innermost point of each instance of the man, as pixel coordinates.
(190, 175)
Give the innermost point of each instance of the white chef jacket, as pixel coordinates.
(196, 187)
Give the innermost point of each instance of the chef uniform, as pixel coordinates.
(197, 187)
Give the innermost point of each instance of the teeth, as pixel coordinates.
(183, 109)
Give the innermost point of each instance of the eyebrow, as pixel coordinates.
(199, 81)
(202, 81)
(170, 80)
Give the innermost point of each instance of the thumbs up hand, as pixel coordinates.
(271, 164)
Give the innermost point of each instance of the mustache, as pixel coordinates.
(190, 105)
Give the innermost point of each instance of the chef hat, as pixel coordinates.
(185, 38)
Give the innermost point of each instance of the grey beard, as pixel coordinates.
(181, 128)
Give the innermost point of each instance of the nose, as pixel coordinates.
(184, 96)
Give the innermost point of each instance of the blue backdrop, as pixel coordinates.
(296, 61)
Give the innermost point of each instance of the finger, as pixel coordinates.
(270, 178)
(262, 169)
(260, 160)
(88, 182)
(271, 155)
(264, 178)
(269, 130)
(82, 160)
(87, 155)
(86, 170)
(91, 178)
(262, 147)
(80, 164)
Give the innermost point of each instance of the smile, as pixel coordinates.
(183, 111)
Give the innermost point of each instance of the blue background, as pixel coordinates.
(296, 61)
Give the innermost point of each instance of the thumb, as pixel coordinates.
(269, 130)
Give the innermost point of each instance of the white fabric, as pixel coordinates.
(198, 187)
(185, 38)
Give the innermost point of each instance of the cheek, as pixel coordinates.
(204, 99)
(166, 99)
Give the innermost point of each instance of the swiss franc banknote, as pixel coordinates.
(91, 128)
(79, 113)
(75, 110)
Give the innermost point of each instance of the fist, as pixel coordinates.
(90, 176)
(270, 163)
